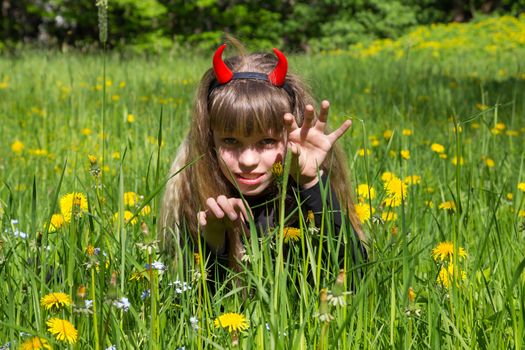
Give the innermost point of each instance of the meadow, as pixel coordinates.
(436, 160)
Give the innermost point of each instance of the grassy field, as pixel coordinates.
(436, 159)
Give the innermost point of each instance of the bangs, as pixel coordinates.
(247, 106)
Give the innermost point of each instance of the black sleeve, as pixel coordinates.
(312, 199)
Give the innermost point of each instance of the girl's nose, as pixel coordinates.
(249, 157)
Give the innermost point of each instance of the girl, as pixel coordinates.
(249, 111)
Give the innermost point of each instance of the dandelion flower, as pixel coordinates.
(72, 204)
(413, 180)
(56, 222)
(277, 169)
(35, 343)
(405, 154)
(291, 233)
(411, 294)
(127, 216)
(145, 211)
(407, 132)
(363, 212)
(130, 118)
(457, 160)
(521, 186)
(445, 250)
(396, 191)
(387, 176)
(62, 330)
(490, 163)
(131, 199)
(389, 216)
(446, 275)
(438, 148)
(17, 147)
(366, 192)
(232, 321)
(448, 205)
(55, 300)
(387, 134)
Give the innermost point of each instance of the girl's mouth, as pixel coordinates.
(249, 179)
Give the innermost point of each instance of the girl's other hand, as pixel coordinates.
(309, 144)
(223, 210)
(222, 215)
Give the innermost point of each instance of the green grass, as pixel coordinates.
(50, 99)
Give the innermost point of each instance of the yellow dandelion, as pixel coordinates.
(481, 106)
(35, 343)
(387, 176)
(521, 186)
(85, 131)
(366, 192)
(443, 156)
(445, 250)
(375, 142)
(363, 211)
(396, 191)
(55, 300)
(90, 250)
(438, 148)
(405, 154)
(387, 134)
(145, 211)
(115, 98)
(448, 205)
(411, 294)
(62, 330)
(446, 275)
(92, 159)
(389, 216)
(127, 216)
(500, 126)
(115, 155)
(489, 163)
(310, 217)
(412, 180)
(131, 199)
(475, 125)
(130, 118)
(361, 152)
(17, 147)
(291, 233)
(510, 196)
(407, 132)
(73, 204)
(457, 160)
(277, 169)
(232, 321)
(56, 222)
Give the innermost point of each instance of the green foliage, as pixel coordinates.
(297, 25)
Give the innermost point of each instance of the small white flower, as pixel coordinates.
(194, 321)
(122, 303)
(88, 303)
(14, 222)
(112, 347)
(157, 265)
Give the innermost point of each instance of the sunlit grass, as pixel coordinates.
(439, 146)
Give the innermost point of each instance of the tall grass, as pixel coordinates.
(53, 103)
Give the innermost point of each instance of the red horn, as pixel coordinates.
(222, 72)
(278, 75)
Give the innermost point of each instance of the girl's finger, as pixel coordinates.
(225, 204)
(308, 117)
(201, 218)
(237, 202)
(334, 136)
(289, 122)
(214, 208)
(323, 116)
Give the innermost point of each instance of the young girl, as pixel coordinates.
(249, 111)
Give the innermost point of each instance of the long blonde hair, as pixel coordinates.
(244, 105)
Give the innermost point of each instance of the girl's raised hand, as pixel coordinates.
(309, 144)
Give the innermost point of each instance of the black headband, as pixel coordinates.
(254, 76)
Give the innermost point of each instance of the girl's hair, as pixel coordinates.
(245, 106)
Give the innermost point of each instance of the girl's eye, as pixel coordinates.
(268, 142)
(230, 141)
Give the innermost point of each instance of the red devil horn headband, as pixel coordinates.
(224, 74)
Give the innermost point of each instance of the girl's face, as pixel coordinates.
(246, 161)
